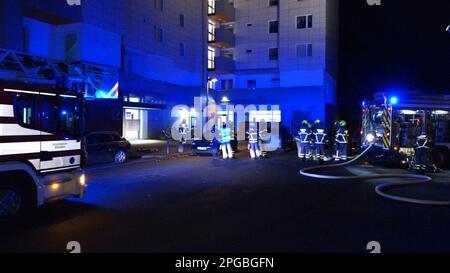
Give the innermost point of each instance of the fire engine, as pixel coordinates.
(393, 122)
(40, 146)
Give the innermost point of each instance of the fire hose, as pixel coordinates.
(380, 189)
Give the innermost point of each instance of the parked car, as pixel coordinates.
(105, 147)
(205, 147)
(201, 147)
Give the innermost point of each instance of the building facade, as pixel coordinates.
(135, 59)
(276, 52)
(138, 59)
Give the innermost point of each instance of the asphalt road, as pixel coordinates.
(196, 204)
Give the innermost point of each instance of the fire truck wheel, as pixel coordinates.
(14, 201)
(120, 157)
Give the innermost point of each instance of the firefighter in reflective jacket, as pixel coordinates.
(303, 140)
(341, 141)
(422, 153)
(253, 142)
(225, 133)
(183, 131)
(319, 141)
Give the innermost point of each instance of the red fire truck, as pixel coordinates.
(394, 121)
(40, 146)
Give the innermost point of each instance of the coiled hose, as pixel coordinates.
(382, 188)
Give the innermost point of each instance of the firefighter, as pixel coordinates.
(341, 141)
(183, 131)
(319, 141)
(225, 132)
(422, 153)
(253, 142)
(303, 140)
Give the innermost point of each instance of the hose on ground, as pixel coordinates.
(380, 189)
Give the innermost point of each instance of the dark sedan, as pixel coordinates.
(200, 147)
(205, 147)
(106, 147)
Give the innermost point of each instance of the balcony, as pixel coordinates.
(223, 38)
(223, 12)
(223, 65)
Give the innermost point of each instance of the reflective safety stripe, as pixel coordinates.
(387, 128)
(344, 137)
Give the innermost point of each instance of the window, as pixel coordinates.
(25, 111)
(211, 7)
(304, 50)
(181, 20)
(304, 21)
(273, 3)
(211, 58)
(159, 34)
(71, 46)
(26, 39)
(273, 54)
(211, 31)
(227, 84)
(159, 4)
(273, 26)
(182, 49)
(251, 84)
(60, 116)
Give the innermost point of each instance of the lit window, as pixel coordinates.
(211, 31)
(211, 58)
(211, 7)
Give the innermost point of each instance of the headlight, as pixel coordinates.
(82, 180)
(370, 138)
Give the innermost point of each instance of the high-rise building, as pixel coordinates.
(135, 59)
(138, 59)
(276, 52)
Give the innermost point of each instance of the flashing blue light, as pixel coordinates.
(393, 100)
(64, 113)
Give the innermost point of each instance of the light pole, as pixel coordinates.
(209, 84)
(226, 101)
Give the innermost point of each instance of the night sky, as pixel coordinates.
(399, 45)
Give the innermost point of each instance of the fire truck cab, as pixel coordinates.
(394, 121)
(40, 146)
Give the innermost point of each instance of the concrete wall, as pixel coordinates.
(296, 104)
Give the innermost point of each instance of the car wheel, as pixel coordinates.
(11, 202)
(120, 157)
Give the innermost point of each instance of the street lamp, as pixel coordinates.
(211, 81)
(226, 101)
